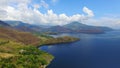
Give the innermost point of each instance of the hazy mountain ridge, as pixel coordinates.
(59, 29)
(76, 27)
(24, 26)
(3, 24)
(80, 26)
(73, 27)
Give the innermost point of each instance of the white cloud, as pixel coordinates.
(105, 21)
(88, 11)
(20, 10)
(2, 13)
(44, 4)
(41, 4)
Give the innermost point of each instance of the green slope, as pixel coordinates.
(17, 55)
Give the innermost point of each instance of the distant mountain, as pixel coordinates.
(24, 26)
(80, 26)
(76, 27)
(73, 27)
(59, 29)
(3, 24)
(83, 28)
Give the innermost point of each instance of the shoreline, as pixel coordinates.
(56, 43)
(49, 44)
(60, 42)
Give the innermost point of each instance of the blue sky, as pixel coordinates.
(61, 12)
(100, 7)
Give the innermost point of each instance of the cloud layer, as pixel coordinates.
(26, 11)
(30, 12)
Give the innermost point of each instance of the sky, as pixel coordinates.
(61, 12)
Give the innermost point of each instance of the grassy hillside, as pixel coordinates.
(64, 39)
(18, 50)
(17, 55)
(17, 36)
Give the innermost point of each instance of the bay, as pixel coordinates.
(92, 51)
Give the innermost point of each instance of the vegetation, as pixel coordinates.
(17, 55)
(64, 39)
(42, 35)
(51, 33)
(18, 36)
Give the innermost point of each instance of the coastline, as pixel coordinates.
(59, 42)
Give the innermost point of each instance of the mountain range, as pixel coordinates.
(76, 27)
(24, 26)
(73, 27)
(83, 28)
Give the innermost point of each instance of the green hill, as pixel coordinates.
(17, 55)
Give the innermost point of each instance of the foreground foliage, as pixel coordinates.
(16, 55)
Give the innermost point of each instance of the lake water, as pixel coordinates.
(92, 51)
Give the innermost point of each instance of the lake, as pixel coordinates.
(92, 51)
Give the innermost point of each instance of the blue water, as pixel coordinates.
(92, 51)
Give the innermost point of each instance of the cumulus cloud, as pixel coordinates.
(26, 11)
(88, 11)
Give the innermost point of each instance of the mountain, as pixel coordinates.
(59, 29)
(80, 26)
(24, 26)
(3, 24)
(76, 27)
(83, 28)
(73, 27)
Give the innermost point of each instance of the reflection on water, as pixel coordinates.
(92, 51)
